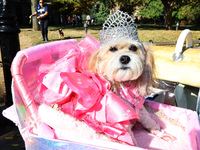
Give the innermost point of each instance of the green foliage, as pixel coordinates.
(83, 6)
(132, 2)
(177, 14)
(129, 5)
(64, 7)
(108, 3)
(190, 12)
(102, 14)
(93, 11)
(182, 9)
(187, 12)
(152, 9)
(72, 6)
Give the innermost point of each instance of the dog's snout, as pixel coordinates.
(125, 59)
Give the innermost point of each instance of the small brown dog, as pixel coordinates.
(60, 34)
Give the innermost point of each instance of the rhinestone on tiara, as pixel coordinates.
(118, 26)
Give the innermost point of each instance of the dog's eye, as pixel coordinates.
(133, 48)
(113, 49)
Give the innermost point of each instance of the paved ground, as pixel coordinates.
(10, 138)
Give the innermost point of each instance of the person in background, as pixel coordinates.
(69, 20)
(88, 19)
(42, 12)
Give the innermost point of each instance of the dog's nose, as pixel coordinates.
(125, 59)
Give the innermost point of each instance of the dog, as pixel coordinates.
(129, 63)
(129, 66)
(123, 63)
(60, 34)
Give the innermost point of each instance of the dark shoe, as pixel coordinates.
(47, 39)
(43, 40)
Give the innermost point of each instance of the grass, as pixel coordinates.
(145, 33)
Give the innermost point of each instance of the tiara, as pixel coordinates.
(118, 26)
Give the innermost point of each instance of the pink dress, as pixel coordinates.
(86, 96)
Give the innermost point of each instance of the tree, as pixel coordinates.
(94, 10)
(177, 14)
(129, 5)
(62, 6)
(102, 14)
(35, 25)
(169, 4)
(190, 12)
(152, 10)
(108, 3)
(75, 6)
(83, 6)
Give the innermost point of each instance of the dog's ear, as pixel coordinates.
(147, 78)
(94, 61)
(149, 60)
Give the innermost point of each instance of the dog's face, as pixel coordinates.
(122, 61)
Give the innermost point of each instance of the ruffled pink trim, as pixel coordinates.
(86, 96)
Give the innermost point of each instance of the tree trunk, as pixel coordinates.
(168, 18)
(35, 25)
(154, 20)
(169, 4)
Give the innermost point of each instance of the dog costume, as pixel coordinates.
(71, 88)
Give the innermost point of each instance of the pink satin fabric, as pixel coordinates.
(86, 96)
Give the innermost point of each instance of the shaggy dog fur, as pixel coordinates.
(124, 62)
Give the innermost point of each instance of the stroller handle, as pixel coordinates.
(29, 55)
(20, 83)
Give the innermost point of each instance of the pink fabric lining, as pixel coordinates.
(48, 49)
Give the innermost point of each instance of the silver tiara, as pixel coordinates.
(117, 27)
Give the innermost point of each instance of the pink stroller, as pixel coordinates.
(30, 63)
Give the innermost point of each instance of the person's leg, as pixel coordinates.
(46, 29)
(42, 30)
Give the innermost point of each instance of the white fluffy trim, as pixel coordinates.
(67, 127)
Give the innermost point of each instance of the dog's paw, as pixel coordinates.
(168, 137)
(164, 135)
